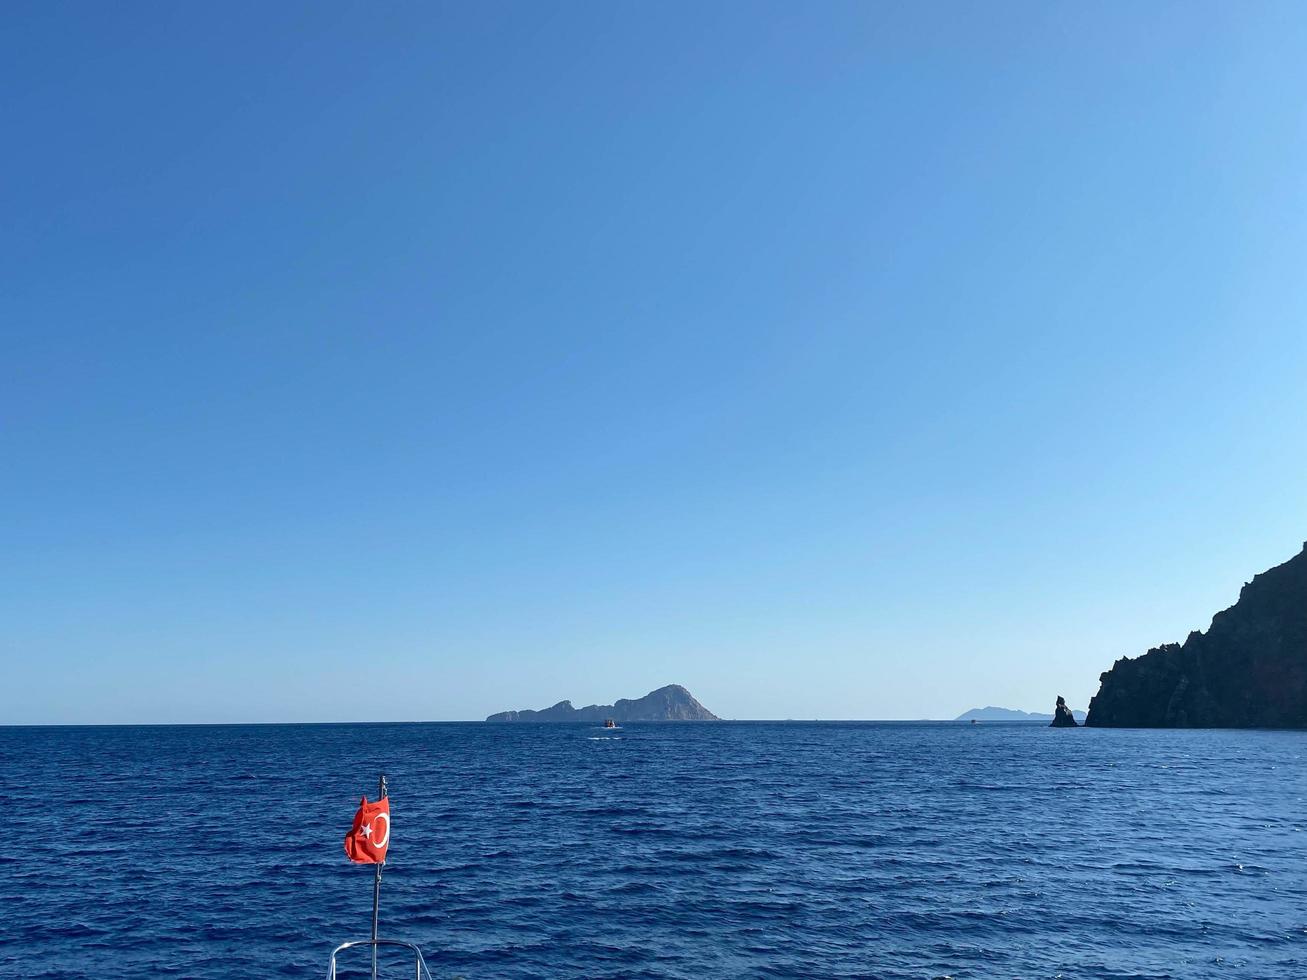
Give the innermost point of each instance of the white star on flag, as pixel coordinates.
(366, 830)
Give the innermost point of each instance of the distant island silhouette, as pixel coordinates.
(670, 703)
(992, 713)
(1249, 670)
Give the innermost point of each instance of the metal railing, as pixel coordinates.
(420, 971)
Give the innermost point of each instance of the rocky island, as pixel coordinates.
(670, 703)
(992, 713)
(1249, 670)
(1062, 716)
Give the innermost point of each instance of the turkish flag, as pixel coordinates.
(369, 838)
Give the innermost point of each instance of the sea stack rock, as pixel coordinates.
(1249, 670)
(1062, 716)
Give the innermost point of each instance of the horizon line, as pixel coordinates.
(483, 721)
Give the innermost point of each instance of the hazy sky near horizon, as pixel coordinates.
(420, 361)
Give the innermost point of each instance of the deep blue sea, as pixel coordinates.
(710, 850)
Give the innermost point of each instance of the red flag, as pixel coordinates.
(369, 838)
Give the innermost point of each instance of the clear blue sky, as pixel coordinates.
(836, 360)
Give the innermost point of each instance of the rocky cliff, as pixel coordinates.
(670, 703)
(1249, 670)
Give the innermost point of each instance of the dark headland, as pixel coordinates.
(670, 703)
(1249, 670)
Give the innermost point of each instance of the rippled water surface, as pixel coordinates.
(723, 850)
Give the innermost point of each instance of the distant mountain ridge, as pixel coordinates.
(992, 713)
(1249, 670)
(670, 703)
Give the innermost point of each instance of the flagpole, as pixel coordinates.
(376, 882)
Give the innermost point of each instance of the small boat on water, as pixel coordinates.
(609, 723)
